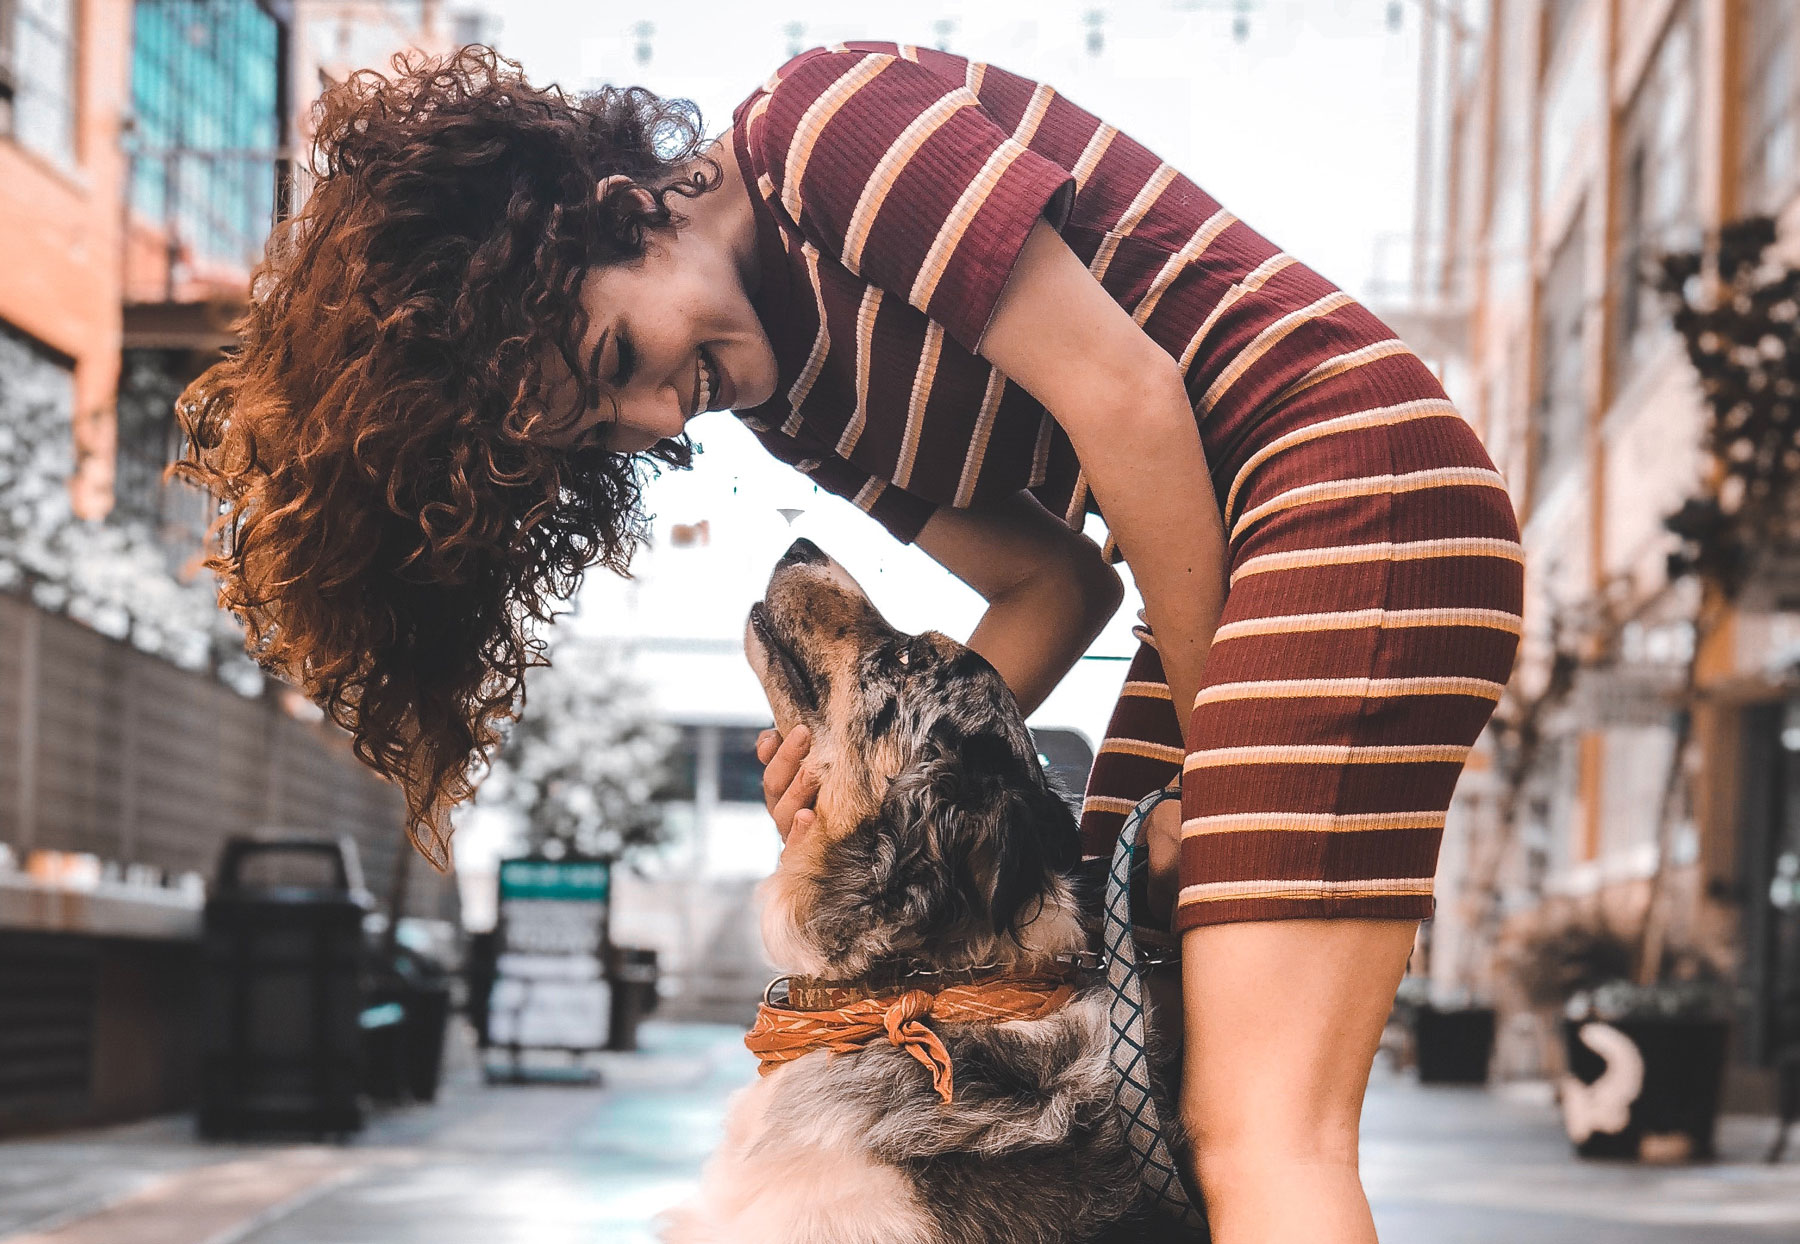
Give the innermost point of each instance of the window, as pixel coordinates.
(1770, 87)
(37, 76)
(148, 441)
(205, 125)
(1657, 191)
(37, 443)
(740, 772)
(1559, 417)
(682, 783)
(704, 754)
(1570, 105)
(1509, 216)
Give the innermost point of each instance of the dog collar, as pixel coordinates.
(821, 993)
(845, 1016)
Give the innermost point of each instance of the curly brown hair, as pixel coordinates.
(400, 507)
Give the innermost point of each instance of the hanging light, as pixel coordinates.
(1096, 35)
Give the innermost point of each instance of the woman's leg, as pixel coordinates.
(1371, 622)
(1283, 1020)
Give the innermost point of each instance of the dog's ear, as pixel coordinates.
(978, 832)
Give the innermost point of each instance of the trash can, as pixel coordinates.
(403, 1026)
(427, 1018)
(632, 972)
(283, 966)
(480, 966)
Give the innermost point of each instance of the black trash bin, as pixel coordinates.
(480, 966)
(632, 973)
(403, 1028)
(284, 988)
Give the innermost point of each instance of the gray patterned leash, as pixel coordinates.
(1157, 1168)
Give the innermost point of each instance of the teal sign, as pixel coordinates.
(586, 881)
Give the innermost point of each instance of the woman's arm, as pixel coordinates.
(1048, 590)
(1118, 395)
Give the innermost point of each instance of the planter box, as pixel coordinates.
(1453, 1047)
(1678, 1066)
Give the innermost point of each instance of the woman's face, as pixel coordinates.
(677, 314)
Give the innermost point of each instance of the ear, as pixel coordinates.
(978, 831)
(607, 185)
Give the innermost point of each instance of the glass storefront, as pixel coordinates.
(206, 125)
(1769, 877)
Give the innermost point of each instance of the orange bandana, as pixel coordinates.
(781, 1035)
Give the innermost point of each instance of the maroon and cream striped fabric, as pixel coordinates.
(1376, 576)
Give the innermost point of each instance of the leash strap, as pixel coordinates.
(1157, 1168)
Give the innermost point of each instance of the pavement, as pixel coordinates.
(594, 1164)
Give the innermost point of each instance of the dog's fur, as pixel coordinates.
(939, 844)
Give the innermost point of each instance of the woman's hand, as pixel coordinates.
(789, 787)
(1162, 834)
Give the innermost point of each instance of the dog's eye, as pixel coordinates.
(903, 657)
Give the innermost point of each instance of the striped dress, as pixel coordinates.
(1376, 577)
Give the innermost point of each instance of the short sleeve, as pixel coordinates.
(900, 174)
(900, 512)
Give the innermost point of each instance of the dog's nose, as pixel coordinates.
(802, 552)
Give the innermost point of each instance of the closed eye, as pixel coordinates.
(627, 361)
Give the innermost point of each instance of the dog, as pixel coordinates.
(941, 852)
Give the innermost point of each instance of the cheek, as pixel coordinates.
(626, 440)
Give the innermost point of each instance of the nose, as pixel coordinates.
(802, 552)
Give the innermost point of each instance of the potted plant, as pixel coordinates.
(1645, 1061)
(1453, 1040)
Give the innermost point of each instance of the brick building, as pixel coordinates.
(145, 148)
(1564, 142)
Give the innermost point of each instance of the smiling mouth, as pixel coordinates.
(792, 671)
(709, 384)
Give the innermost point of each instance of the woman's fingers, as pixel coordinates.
(795, 803)
(783, 763)
(1163, 835)
(788, 786)
(803, 821)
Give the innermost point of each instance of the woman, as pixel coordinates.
(953, 296)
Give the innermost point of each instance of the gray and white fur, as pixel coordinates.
(940, 844)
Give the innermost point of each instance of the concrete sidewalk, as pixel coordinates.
(539, 1164)
(1451, 1165)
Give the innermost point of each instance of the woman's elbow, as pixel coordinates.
(1104, 588)
(1095, 584)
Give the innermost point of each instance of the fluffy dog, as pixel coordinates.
(940, 847)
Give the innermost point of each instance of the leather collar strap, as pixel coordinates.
(782, 1034)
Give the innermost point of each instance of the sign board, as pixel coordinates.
(550, 990)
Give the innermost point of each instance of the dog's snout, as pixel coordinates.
(802, 552)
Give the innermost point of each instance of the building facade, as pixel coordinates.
(145, 150)
(1567, 143)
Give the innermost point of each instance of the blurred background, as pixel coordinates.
(233, 1004)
